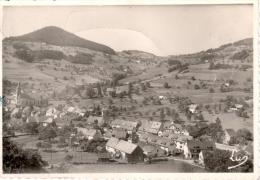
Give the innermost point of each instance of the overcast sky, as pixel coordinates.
(162, 30)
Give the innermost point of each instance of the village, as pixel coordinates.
(120, 124)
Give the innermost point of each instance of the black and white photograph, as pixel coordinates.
(128, 89)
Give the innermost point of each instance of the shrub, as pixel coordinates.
(241, 55)
(81, 58)
(49, 54)
(166, 85)
(211, 90)
(173, 62)
(20, 46)
(196, 86)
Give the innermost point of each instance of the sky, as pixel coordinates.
(161, 30)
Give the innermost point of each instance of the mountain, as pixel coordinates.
(57, 36)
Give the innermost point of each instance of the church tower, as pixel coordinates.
(18, 94)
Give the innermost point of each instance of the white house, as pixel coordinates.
(89, 133)
(193, 108)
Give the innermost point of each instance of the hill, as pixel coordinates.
(57, 36)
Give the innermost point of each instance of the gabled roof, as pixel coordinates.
(156, 125)
(150, 126)
(112, 142)
(126, 147)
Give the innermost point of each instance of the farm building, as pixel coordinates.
(130, 126)
(124, 151)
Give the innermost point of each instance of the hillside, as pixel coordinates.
(54, 56)
(57, 36)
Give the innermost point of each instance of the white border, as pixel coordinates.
(191, 176)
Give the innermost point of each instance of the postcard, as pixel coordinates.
(126, 90)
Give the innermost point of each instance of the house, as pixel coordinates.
(192, 148)
(95, 119)
(122, 90)
(228, 134)
(181, 140)
(130, 126)
(111, 144)
(178, 139)
(124, 151)
(119, 133)
(47, 121)
(152, 151)
(201, 158)
(111, 92)
(153, 127)
(193, 108)
(89, 133)
(238, 106)
(170, 127)
(162, 97)
(167, 145)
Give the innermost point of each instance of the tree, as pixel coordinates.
(47, 133)
(211, 65)
(99, 90)
(215, 130)
(147, 84)
(219, 161)
(166, 85)
(143, 87)
(196, 86)
(90, 92)
(31, 127)
(162, 115)
(245, 133)
(17, 160)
